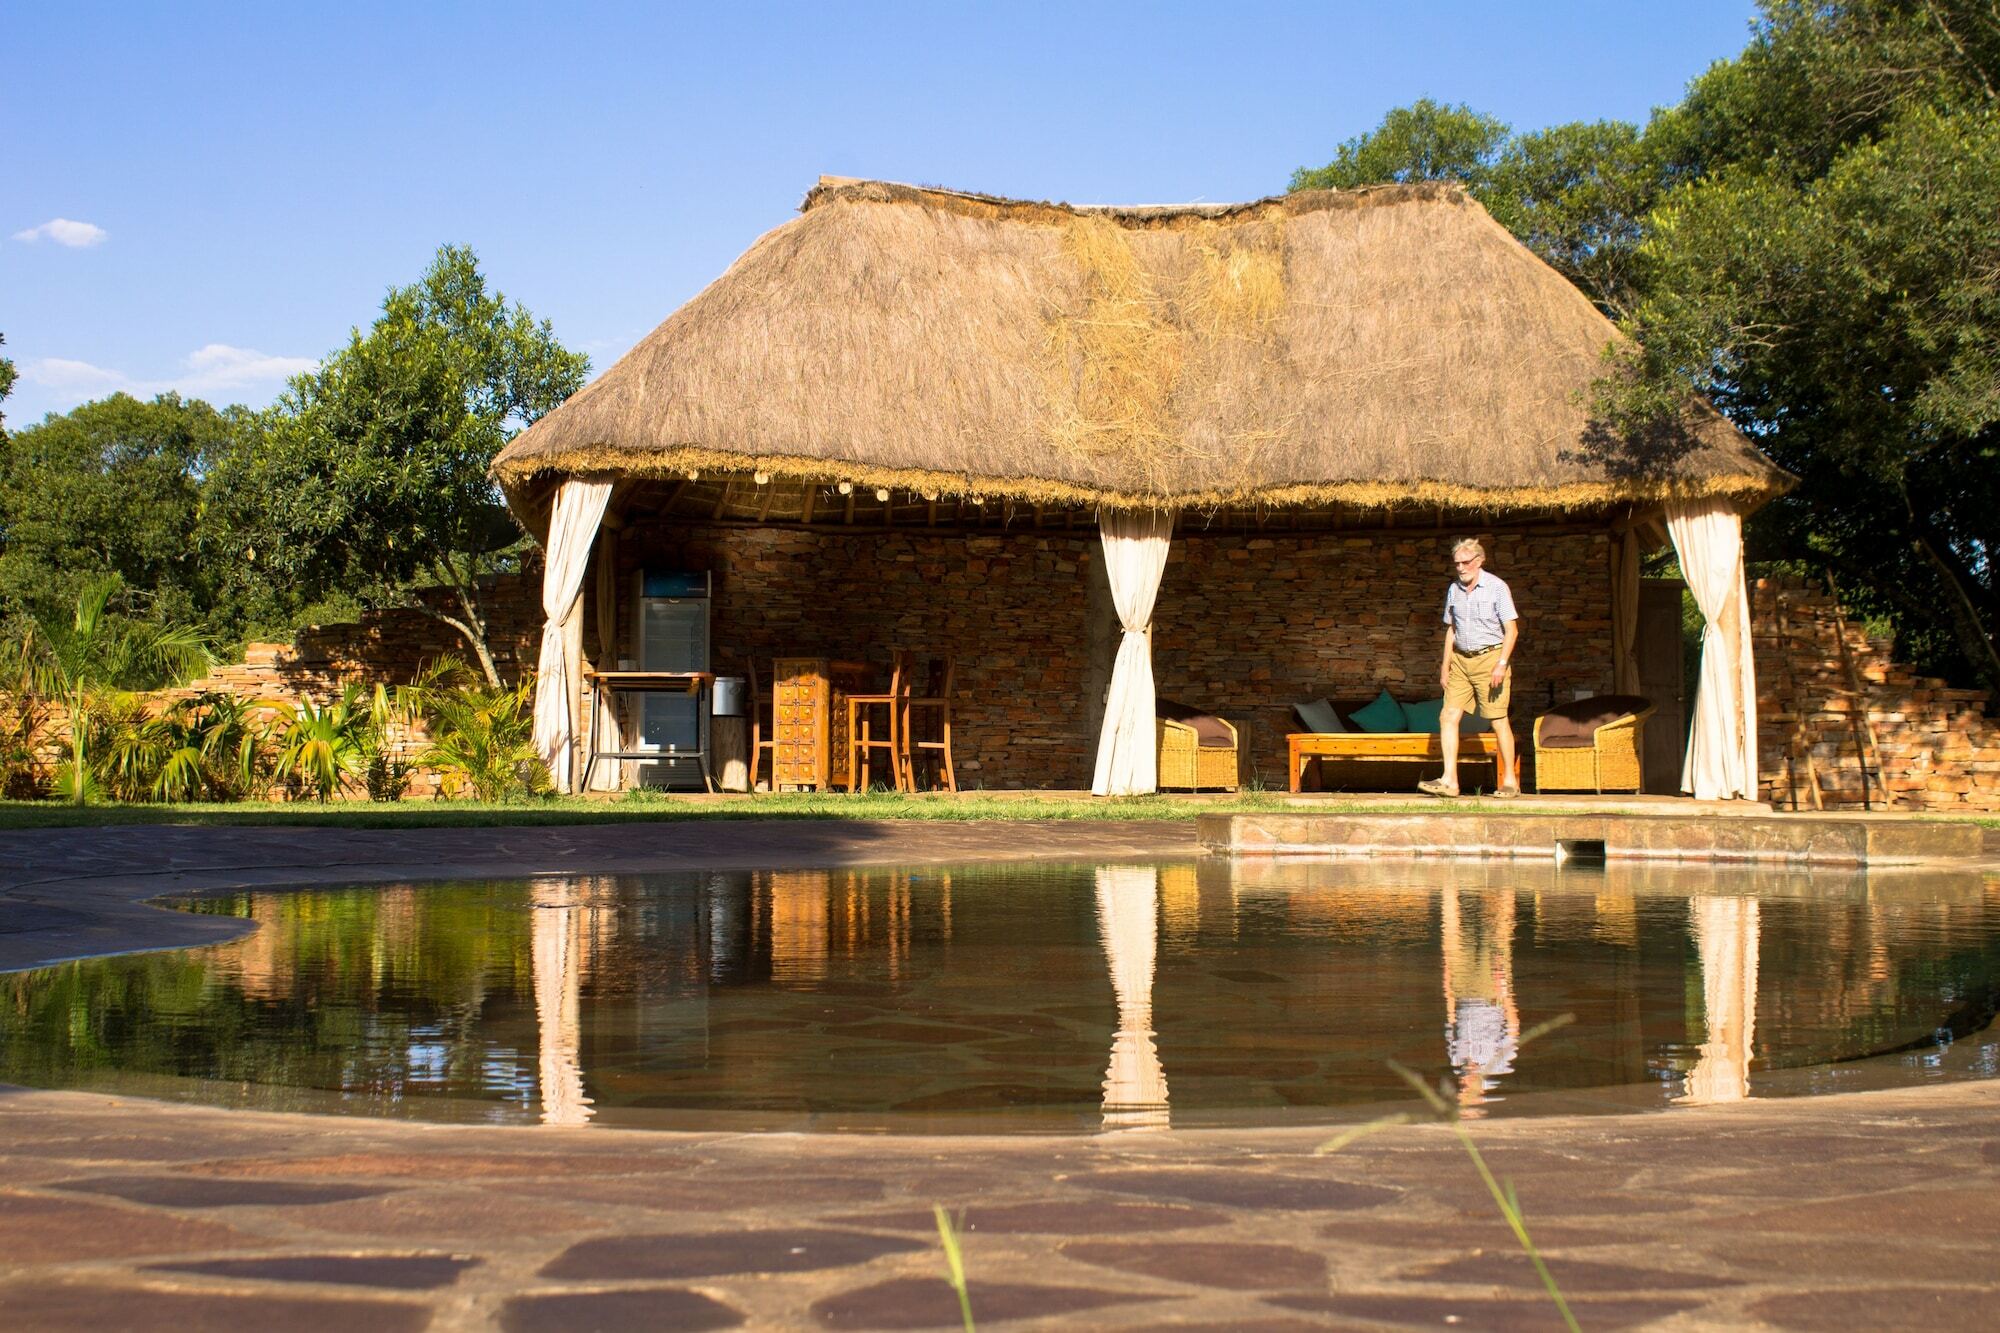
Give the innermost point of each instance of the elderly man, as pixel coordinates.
(1480, 626)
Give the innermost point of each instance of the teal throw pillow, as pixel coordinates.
(1423, 717)
(1472, 724)
(1384, 714)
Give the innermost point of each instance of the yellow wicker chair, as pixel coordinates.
(1611, 761)
(1185, 762)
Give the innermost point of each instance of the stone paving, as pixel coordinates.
(1863, 1211)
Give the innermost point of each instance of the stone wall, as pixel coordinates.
(1245, 626)
(1939, 749)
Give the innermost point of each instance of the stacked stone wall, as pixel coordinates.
(1939, 748)
(1245, 626)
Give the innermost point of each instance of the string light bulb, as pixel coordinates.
(846, 488)
(763, 479)
(882, 494)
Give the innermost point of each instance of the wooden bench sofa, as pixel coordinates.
(1414, 748)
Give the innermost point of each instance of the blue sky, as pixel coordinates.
(208, 197)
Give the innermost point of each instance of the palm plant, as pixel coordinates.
(324, 746)
(482, 736)
(216, 745)
(23, 714)
(97, 650)
(393, 717)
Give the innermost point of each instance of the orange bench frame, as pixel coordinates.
(1395, 746)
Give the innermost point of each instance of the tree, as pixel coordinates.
(1576, 194)
(1419, 142)
(372, 473)
(1827, 271)
(111, 489)
(6, 384)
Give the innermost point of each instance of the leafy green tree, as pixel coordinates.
(1579, 196)
(371, 476)
(6, 384)
(1825, 272)
(111, 489)
(1423, 141)
(1576, 194)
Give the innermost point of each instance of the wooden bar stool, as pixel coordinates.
(862, 714)
(763, 730)
(934, 706)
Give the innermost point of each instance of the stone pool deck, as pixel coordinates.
(1860, 1211)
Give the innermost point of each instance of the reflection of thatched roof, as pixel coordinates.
(1365, 348)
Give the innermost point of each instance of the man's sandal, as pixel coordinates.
(1436, 787)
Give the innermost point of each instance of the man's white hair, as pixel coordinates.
(1468, 544)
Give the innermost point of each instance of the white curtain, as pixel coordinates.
(558, 970)
(573, 520)
(1725, 932)
(1625, 612)
(1722, 744)
(610, 731)
(1128, 906)
(1135, 556)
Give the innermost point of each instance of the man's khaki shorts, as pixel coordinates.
(1469, 684)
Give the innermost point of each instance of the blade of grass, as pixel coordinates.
(1510, 1210)
(1543, 1029)
(1354, 1132)
(955, 1264)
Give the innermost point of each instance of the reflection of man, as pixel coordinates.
(1480, 626)
(1482, 1024)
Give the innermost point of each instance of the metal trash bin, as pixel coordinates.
(730, 696)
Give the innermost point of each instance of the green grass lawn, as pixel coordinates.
(653, 806)
(638, 807)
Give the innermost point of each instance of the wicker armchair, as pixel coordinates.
(1184, 760)
(1592, 744)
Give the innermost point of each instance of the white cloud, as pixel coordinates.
(218, 372)
(219, 366)
(63, 231)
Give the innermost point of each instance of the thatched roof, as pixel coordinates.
(1376, 347)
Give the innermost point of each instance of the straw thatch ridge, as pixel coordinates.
(1376, 348)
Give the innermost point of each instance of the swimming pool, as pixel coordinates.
(1037, 997)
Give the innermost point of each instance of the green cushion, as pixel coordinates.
(1320, 717)
(1423, 717)
(1384, 714)
(1472, 724)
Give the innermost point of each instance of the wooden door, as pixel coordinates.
(1662, 678)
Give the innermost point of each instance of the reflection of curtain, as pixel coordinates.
(1725, 931)
(1625, 612)
(573, 519)
(607, 777)
(1135, 1086)
(1135, 556)
(558, 965)
(1722, 747)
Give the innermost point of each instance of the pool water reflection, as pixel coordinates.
(1037, 997)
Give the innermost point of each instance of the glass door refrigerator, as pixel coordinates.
(673, 636)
